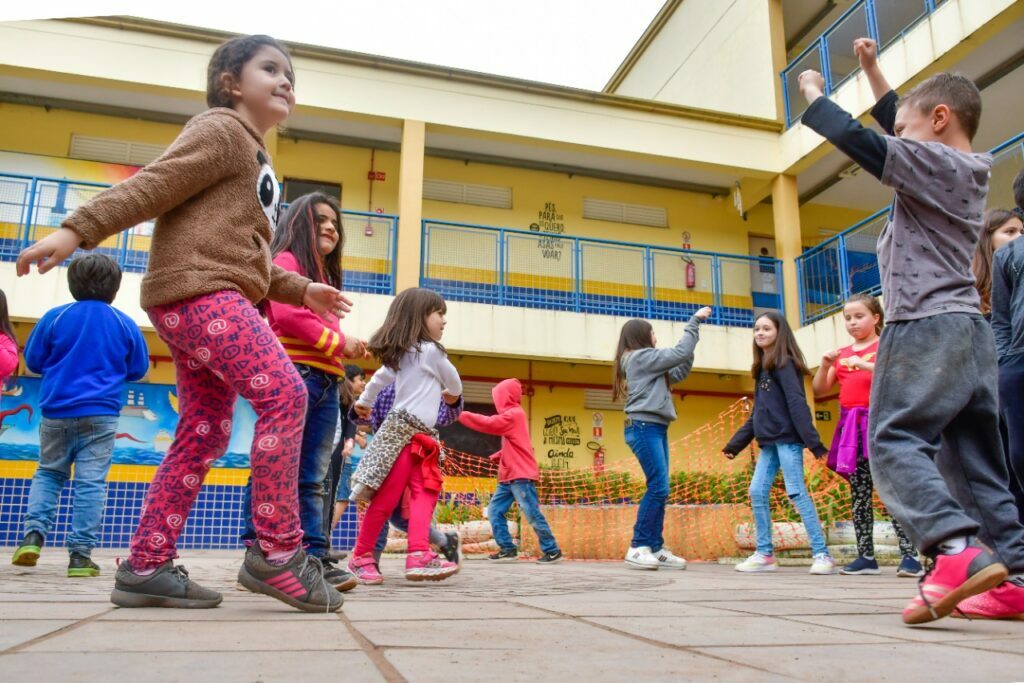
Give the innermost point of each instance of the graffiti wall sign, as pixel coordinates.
(550, 221)
(563, 432)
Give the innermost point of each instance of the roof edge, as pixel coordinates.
(641, 45)
(448, 73)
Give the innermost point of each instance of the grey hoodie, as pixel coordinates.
(648, 397)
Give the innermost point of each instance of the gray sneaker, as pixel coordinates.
(300, 582)
(168, 586)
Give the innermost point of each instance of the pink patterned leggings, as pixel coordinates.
(222, 348)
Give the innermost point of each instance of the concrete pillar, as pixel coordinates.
(410, 205)
(788, 241)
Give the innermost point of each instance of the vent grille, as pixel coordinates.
(477, 392)
(113, 151)
(466, 193)
(619, 212)
(600, 399)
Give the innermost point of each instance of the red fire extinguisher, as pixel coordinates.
(691, 274)
(598, 456)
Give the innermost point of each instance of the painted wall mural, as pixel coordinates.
(145, 430)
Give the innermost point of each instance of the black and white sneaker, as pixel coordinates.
(551, 558)
(342, 580)
(504, 555)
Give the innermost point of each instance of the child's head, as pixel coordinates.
(252, 75)
(94, 277)
(775, 345)
(1018, 191)
(355, 377)
(939, 109)
(863, 316)
(1001, 228)
(635, 334)
(311, 230)
(416, 315)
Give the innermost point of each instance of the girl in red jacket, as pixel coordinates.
(309, 241)
(517, 473)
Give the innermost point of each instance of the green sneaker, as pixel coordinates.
(28, 552)
(82, 566)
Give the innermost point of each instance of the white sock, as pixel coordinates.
(953, 546)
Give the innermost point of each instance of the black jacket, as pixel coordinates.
(1008, 299)
(780, 414)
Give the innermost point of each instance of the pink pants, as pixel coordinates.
(405, 473)
(222, 348)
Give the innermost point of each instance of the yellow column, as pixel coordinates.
(789, 245)
(778, 38)
(788, 242)
(410, 205)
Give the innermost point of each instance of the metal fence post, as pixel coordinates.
(577, 250)
(872, 21)
(648, 282)
(782, 286)
(26, 236)
(502, 257)
(799, 286)
(844, 269)
(424, 255)
(716, 289)
(826, 66)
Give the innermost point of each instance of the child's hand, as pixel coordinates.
(703, 313)
(812, 85)
(362, 412)
(347, 450)
(728, 454)
(867, 53)
(829, 358)
(360, 439)
(321, 299)
(354, 348)
(451, 399)
(49, 252)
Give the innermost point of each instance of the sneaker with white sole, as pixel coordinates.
(642, 558)
(757, 562)
(428, 566)
(823, 564)
(669, 560)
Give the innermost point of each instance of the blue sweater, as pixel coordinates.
(85, 351)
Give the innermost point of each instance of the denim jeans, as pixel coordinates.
(524, 492)
(317, 443)
(790, 457)
(649, 443)
(88, 443)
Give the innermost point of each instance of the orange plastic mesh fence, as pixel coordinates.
(592, 511)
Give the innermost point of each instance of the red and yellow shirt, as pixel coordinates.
(854, 383)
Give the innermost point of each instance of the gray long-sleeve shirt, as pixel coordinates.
(649, 398)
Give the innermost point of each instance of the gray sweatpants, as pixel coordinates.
(937, 458)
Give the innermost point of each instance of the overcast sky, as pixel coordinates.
(578, 43)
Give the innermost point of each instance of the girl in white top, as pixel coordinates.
(404, 454)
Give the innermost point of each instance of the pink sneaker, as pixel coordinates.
(1005, 601)
(365, 569)
(428, 566)
(951, 580)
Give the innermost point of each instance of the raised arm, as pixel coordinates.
(825, 377)
(885, 107)
(678, 357)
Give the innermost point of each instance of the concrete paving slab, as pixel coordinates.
(529, 635)
(51, 610)
(197, 636)
(897, 662)
(794, 607)
(1011, 645)
(357, 609)
(222, 667)
(943, 630)
(266, 609)
(642, 663)
(14, 633)
(729, 630)
(571, 605)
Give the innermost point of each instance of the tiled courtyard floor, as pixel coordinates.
(573, 621)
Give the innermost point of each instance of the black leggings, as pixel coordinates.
(863, 491)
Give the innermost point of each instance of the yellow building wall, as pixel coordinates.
(710, 54)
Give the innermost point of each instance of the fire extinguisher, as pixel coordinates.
(598, 456)
(691, 274)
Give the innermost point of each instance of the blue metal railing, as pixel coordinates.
(32, 206)
(846, 264)
(503, 266)
(831, 53)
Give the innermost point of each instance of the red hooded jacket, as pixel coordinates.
(515, 459)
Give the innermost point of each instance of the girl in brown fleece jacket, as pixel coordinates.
(215, 199)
